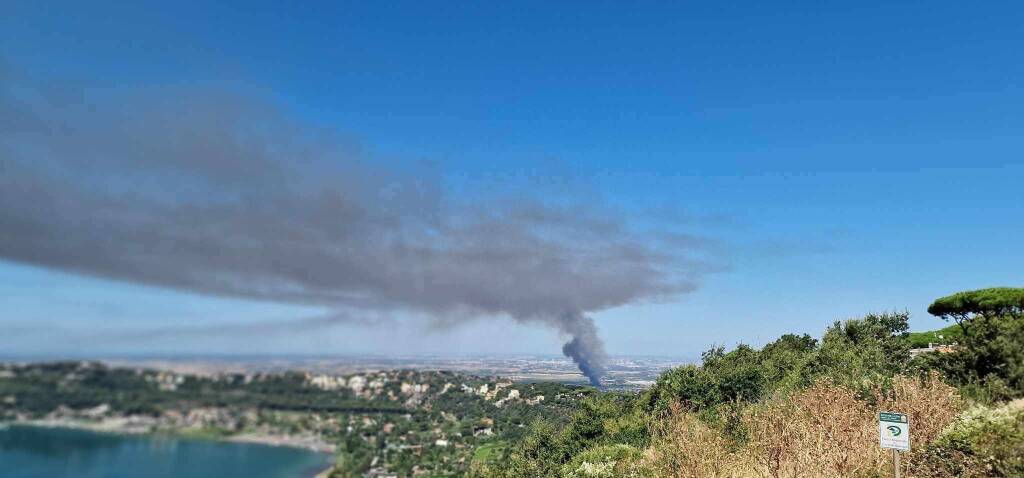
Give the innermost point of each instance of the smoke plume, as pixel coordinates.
(223, 194)
(585, 348)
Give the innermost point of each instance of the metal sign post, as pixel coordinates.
(894, 433)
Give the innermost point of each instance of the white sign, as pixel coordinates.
(894, 430)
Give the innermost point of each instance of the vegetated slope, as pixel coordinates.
(946, 335)
(801, 407)
(403, 421)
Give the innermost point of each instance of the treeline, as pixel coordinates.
(38, 389)
(378, 427)
(805, 407)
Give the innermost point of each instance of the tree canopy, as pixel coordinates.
(996, 301)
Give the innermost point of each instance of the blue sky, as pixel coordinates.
(852, 158)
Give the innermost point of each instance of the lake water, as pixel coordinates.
(33, 452)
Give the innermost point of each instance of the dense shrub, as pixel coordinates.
(539, 454)
(984, 441)
(991, 355)
(859, 352)
(741, 375)
(992, 350)
(694, 388)
(825, 430)
(599, 422)
(607, 461)
(798, 407)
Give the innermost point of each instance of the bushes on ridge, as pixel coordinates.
(825, 430)
(990, 360)
(808, 408)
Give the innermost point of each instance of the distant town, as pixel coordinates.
(377, 423)
(623, 373)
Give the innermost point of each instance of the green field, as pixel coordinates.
(489, 452)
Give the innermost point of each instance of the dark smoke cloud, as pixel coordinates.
(244, 331)
(585, 348)
(223, 194)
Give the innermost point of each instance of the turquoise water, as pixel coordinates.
(32, 452)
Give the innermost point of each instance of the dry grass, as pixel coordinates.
(825, 430)
(688, 448)
(931, 405)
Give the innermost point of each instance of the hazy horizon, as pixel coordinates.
(420, 179)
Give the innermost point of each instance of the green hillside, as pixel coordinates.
(807, 407)
(799, 406)
(946, 335)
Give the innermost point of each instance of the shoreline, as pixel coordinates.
(128, 426)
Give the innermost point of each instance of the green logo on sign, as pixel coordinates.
(894, 430)
(892, 417)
